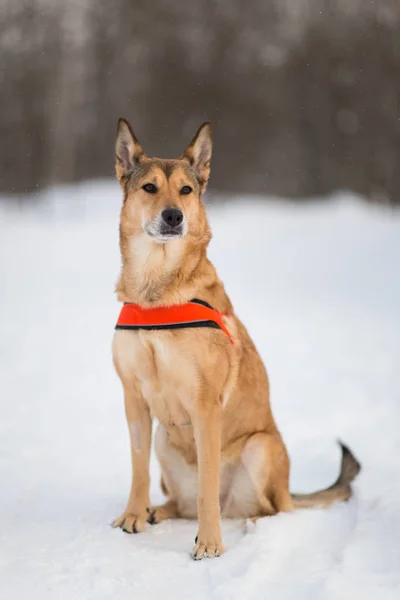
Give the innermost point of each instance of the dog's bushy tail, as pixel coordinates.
(340, 490)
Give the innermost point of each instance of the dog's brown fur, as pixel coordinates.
(217, 442)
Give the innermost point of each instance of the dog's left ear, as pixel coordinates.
(198, 154)
(128, 150)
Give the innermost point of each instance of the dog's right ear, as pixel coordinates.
(127, 149)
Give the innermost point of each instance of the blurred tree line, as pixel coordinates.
(303, 94)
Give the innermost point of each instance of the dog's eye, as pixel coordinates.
(150, 188)
(186, 190)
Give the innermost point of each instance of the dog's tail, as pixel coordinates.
(340, 490)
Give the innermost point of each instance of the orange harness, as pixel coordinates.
(195, 313)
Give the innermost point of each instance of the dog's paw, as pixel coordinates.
(156, 514)
(130, 523)
(204, 549)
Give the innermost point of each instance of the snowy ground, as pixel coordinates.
(325, 314)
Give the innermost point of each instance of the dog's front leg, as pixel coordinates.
(207, 430)
(133, 519)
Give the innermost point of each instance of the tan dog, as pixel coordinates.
(220, 451)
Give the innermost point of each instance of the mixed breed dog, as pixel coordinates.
(185, 358)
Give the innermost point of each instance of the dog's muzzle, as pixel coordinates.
(170, 224)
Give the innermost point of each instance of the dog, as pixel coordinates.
(220, 451)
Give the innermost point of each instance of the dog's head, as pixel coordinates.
(162, 197)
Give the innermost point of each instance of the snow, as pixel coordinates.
(318, 286)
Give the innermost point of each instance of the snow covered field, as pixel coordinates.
(325, 315)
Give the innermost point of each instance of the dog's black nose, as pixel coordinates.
(172, 216)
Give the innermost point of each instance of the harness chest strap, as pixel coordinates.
(195, 313)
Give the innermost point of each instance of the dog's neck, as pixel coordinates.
(155, 274)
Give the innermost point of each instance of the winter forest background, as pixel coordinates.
(303, 94)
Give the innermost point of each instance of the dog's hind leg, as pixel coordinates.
(260, 485)
(178, 482)
(169, 510)
(163, 487)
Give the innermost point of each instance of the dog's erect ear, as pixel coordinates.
(198, 153)
(127, 149)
